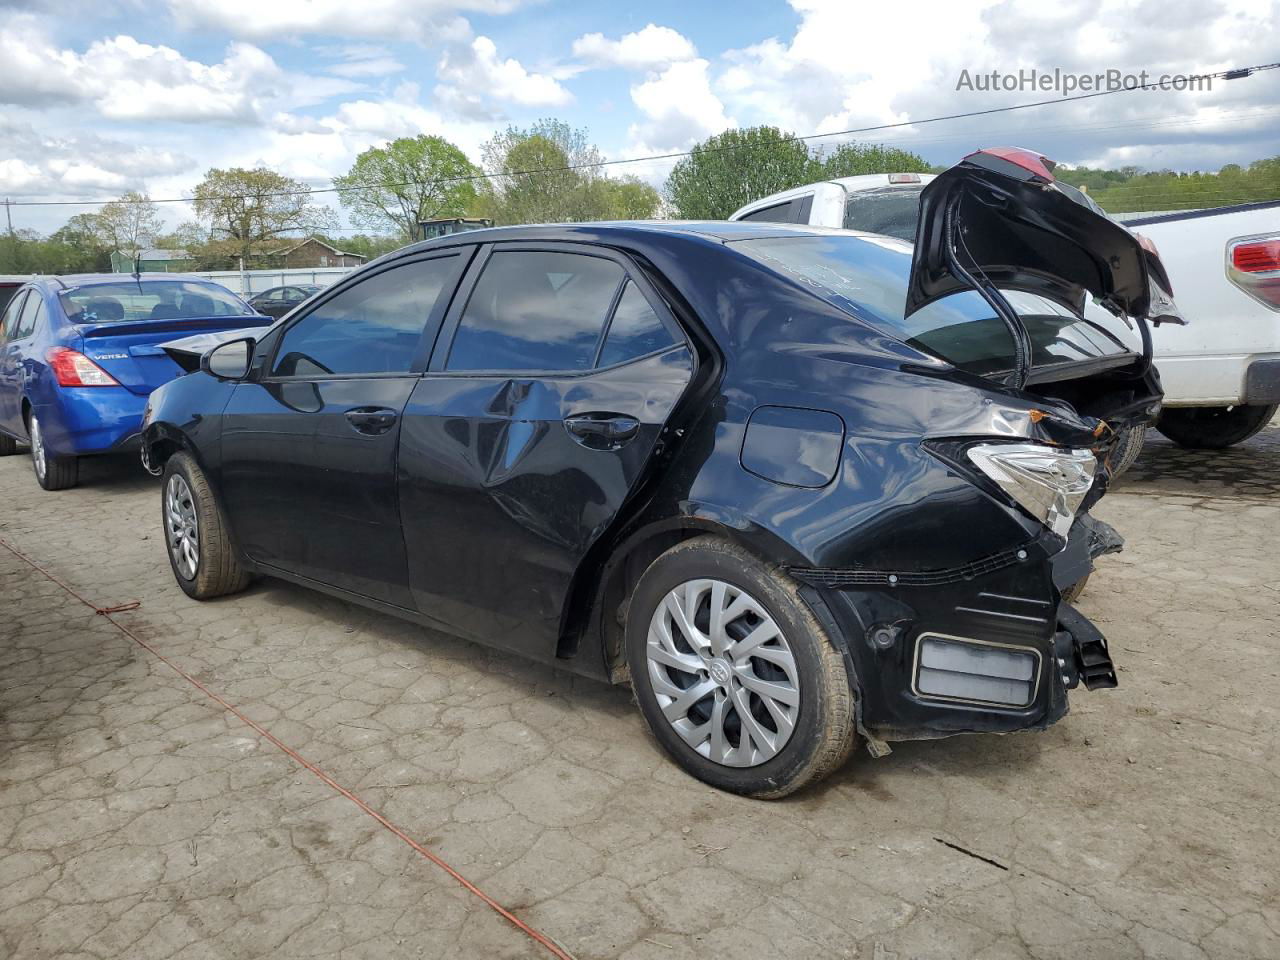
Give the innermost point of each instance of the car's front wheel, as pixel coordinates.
(195, 533)
(734, 675)
(52, 473)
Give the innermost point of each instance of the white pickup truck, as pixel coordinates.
(1220, 372)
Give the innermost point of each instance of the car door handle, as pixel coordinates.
(602, 431)
(372, 421)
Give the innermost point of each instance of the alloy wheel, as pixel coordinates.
(182, 526)
(723, 673)
(37, 448)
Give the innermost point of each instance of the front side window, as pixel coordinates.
(536, 310)
(373, 327)
(635, 331)
(31, 310)
(9, 321)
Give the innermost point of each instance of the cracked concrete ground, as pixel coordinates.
(141, 819)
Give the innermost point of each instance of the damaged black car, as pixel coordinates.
(798, 487)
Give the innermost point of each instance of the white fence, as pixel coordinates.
(248, 282)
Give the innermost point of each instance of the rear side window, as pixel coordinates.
(636, 330)
(536, 310)
(373, 327)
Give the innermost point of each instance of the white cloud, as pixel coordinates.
(648, 49)
(678, 106)
(471, 76)
(361, 60)
(129, 80)
(69, 165)
(415, 20)
(849, 66)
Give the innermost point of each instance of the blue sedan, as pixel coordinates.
(79, 355)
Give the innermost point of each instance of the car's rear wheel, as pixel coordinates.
(195, 533)
(52, 473)
(1213, 428)
(734, 675)
(8, 445)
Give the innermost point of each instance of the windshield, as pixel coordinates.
(893, 211)
(144, 299)
(870, 275)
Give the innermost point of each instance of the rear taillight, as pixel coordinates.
(74, 369)
(1036, 164)
(1253, 265)
(904, 178)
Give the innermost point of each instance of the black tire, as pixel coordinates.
(1128, 448)
(217, 571)
(8, 445)
(822, 735)
(52, 473)
(1213, 428)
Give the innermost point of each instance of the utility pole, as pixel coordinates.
(8, 214)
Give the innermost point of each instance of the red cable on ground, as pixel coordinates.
(539, 937)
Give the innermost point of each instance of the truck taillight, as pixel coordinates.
(1253, 265)
(73, 369)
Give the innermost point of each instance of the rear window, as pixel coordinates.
(144, 299)
(869, 275)
(893, 211)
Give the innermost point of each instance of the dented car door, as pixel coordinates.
(544, 402)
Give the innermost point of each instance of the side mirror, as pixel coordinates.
(230, 360)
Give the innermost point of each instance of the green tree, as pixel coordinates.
(410, 179)
(733, 168)
(628, 198)
(550, 173)
(856, 159)
(249, 213)
(129, 224)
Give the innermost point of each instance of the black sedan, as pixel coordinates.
(278, 301)
(794, 485)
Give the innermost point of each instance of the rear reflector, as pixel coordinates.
(1256, 256)
(1253, 265)
(904, 178)
(74, 369)
(952, 668)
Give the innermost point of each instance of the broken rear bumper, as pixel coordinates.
(989, 647)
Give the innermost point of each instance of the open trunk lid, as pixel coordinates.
(1000, 216)
(132, 352)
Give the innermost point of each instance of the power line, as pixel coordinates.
(1232, 74)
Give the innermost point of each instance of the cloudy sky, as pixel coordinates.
(100, 96)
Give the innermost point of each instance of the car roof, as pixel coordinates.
(864, 181)
(90, 279)
(620, 231)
